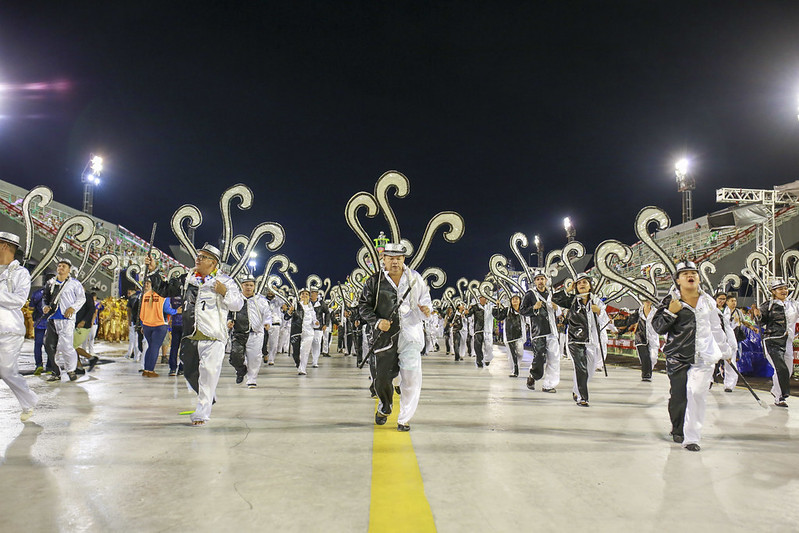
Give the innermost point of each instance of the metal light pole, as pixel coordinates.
(91, 177)
(539, 250)
(685, 184)
(570, 231)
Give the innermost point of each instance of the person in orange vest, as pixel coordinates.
(151, 311)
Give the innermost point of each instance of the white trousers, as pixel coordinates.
(10, 346)
(252, 355)
(430, 340)
(551, 377)
(410, 363)
(731, 376)
(316, 346)
(462, 347)
(65, 355)
(564, 350)
(88, 344)
(273, 343)
(285, 338)
(599, 364)
(133, 343)
(212, 353)
(488, 346)
(699, 377)
(306, 343)
(326, 340)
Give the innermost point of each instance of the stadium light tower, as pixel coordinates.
(685, 184)
(90, 177)
(570, 231)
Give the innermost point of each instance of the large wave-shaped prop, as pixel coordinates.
(571, 253)
(131, 273)
(550, 263)
(612, 250)
(754, 265)
(96, 240)
(85, 227)
(111, 259)
(645, 217)
(451, 223)
(706, 268)
(194, 218)
(498, 266)
(44, 196)
(434, 276)
(519, 240)
(448, 295)
(789, 261)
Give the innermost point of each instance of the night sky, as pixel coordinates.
(513, 114)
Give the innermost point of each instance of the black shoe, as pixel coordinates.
(239, 378)
(141, 370)
(552, 391)
(677, 438)
(479, 365)
(457, 358)
(180, 372)
(646, 379)
(80, 371)
(487, 363)
(380, 418)
(397, 390)
(574, 397)
(781, 403)
(514, 375)
(403, 427)
(93, 363)
(692, 447)
(54, 377)
(72, 376)
(727, 390)
(583, 403)
(530, 383)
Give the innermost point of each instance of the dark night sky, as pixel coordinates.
(513, 114)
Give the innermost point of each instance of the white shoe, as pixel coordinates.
(316, 366)
(26, 414)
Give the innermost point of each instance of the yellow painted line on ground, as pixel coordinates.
(398, 501)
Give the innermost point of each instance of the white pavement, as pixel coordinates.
(111, 453)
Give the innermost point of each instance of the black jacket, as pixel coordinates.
(773, 320)
(175, 287)
(578, 316)
(513, 322)
(479, 317)
(85, 313)
(241, 322)
(378, 300)
(322, 313)
(539, 318)
(680, 332)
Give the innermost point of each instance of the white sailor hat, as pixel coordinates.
(64, 260)
(394, 249)
(9, 238)
(685, 266)
(302, 290)
(539, 273)
(776, 283)
(583, 275)
(213, 251)
(246, 278)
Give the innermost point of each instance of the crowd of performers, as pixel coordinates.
(390, 327)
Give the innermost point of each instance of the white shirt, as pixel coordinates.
(211, 308)
(15, 284)
(258, 313)
(411, 317)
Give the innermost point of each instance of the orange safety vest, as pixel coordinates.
(152, 309)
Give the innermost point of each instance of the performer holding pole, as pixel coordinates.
(399, 342)
(695, 342)
(208, 295)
